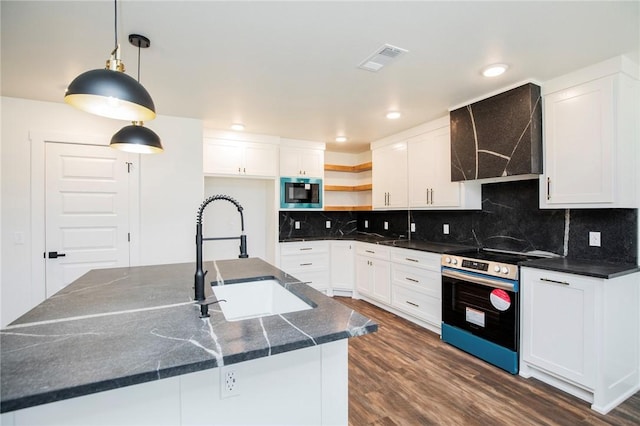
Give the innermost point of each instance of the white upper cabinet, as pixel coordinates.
(301, 162)
(389, 176)
(430, 183)
(239, 158)
(591, 143)
(413, 170)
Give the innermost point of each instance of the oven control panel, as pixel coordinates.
(488, 267)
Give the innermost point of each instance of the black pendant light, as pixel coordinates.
(136, 138)
(109, 92)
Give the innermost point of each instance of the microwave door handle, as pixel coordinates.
(478, 280)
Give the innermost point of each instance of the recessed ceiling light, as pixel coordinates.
(494, 70)
(392, 115)
(237, 126)
(341, 139)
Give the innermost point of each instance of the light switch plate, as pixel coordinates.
(366, 224)
(386, 225)
(327, 224)
(594, 239)
(413, 227)
(296, 224)
(445, 228)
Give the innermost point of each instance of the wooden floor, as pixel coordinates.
(405, 375)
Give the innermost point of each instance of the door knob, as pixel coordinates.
(55, 255)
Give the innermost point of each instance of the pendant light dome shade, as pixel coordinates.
(112, 94)
(137, 139)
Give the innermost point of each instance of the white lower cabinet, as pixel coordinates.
(342, 267)
(308, 261)
(403, 281)
(373, 272)
(581, 334)
(416, 284)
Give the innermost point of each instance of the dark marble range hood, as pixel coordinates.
(498, 137)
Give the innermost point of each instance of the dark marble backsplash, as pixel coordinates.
(509, 220)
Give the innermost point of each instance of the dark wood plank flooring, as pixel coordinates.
(405, 375)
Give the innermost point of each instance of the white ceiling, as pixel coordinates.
(290, 68)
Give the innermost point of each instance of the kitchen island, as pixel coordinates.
(95, 353)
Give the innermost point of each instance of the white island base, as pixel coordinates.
(303, 387)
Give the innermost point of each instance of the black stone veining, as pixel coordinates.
(123, 326)
(509, 220)
(498, 136)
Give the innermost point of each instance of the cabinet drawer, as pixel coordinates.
(304, 262)
(419, 259)
(412, 300)
(373, 250)
(427, 281)
(304, 247)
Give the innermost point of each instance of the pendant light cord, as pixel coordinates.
(115, 22)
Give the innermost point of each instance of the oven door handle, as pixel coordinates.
(478, 280)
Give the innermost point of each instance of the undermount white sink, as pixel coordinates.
(255, 299)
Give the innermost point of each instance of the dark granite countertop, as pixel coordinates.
(433, 247)
(582, 267)
(123, 326)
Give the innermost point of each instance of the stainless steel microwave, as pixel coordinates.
(300, 193)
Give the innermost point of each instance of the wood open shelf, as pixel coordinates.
(366, 187)
(349, 169)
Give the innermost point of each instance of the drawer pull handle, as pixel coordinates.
(412, 280)
(412, 304)
(412, 260)
(306, 264)
(306, 248)
(370, 251)
(547, 280)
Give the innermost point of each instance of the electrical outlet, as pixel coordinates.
(445, 228)
(594, 239)
(386, 225)
(229, 383)
(413, 227)
(366, 224)
(327, 224)
(296, 224)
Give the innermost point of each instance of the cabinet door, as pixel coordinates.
(364, 282)
(260, 160)
(558, 324)
(342, 268)
(429, 162)
(312, 162)
(222, 157)
(389, 176)
(579, 144)
(381, 280)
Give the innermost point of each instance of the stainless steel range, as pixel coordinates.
(481, 305)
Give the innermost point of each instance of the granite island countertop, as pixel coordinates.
(123, 326)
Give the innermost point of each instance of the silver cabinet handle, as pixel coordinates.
(306, 264)
(306, 248)
(412, 304)
(431, 192)
(548, 188)
(412, 280)
(412, 260)
(547, 280)
(370, 251)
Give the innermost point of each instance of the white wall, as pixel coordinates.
(221, 219)
(171, 189)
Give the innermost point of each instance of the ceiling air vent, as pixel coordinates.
(381, 57)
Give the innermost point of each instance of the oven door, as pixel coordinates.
(484, 306)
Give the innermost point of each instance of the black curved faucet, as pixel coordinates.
(200, 274)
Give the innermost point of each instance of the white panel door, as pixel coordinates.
(87, 211)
